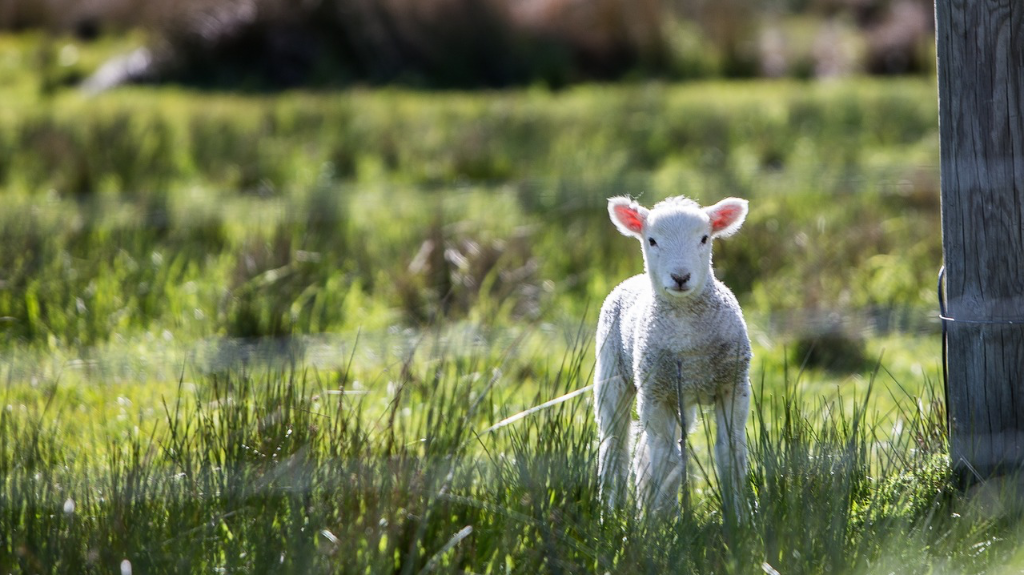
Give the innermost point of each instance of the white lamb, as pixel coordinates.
(672, 337)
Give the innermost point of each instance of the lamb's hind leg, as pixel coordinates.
(613, 406)
(731, 411)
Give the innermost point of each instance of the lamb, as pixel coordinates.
(671, 338)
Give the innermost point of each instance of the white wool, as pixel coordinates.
(671, 338)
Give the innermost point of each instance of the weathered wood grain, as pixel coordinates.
(980, 49)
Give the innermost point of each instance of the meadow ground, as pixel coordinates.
(260, 333)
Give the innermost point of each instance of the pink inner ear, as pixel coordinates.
(724, 216)
(629, 218)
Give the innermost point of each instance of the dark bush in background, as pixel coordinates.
(261, 44)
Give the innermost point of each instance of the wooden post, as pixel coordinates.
(980, 48)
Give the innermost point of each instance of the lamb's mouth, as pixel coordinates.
(678, 292)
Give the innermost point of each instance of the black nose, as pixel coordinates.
(680, 280)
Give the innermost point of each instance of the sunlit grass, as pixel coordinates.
(309, 471)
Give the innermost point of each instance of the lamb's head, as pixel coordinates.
(675, 236)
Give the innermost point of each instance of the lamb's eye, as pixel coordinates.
(704, 240)
(652, 242)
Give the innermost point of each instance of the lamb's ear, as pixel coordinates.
(726, 216)
(627, 215)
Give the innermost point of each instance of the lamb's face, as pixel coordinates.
(677, 250)
(676, 237)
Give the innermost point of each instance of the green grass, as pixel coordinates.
(299, 472)
(178, 196)
(260, 333)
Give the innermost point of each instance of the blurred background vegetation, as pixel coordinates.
(312, 213)
(221, 206)
(299, 173)
(257, 44)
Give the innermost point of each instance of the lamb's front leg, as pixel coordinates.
(731, 410)
(613, 408)
(658, 466)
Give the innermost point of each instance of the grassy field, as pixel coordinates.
(267, 333)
